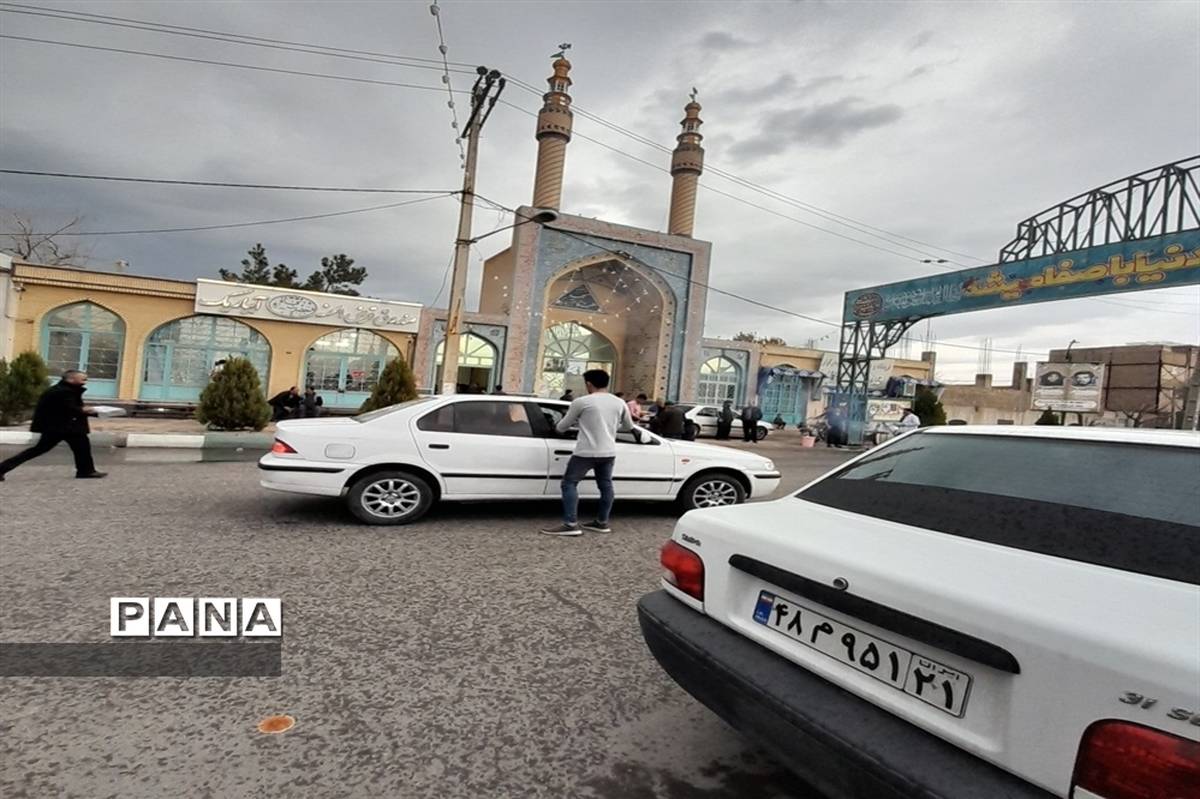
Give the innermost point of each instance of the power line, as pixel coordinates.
(224, 185)
(232, 225)
(211, 62)
(230, 38)
(437, 17)
(707, 287)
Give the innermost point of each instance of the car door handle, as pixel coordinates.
(563, 452)
(439, 446)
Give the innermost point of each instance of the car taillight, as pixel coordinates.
(683, 569)
(1120, 760)
(282, 448)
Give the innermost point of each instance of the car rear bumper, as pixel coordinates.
(301, 476)
(840, 744)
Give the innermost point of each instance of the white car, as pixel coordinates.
(705, 418)
(959, 612)
(391, 465)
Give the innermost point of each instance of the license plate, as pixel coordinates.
(911, 672)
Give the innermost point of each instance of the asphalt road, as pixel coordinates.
(466, 656)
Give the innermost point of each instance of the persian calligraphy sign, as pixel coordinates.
(309, 307)
(1158, 262)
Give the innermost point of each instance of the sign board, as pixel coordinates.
(308, 307)
(1158, 262)
(881, 370)
(1069, 387)
(829, 365)
(886, 410)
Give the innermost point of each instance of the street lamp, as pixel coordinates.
(542, 216)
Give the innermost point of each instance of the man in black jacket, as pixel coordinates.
(60, 416)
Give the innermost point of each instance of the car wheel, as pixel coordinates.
(712, 491)
(760, 434)
(390, 498)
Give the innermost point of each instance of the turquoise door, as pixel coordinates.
(180, 356)
(86, 337)
(786, 396)
(343, 367)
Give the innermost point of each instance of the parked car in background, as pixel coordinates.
(959, 612)
(705, 419)
(392, 464)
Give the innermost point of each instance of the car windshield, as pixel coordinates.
(375, 414)
(1125, 505)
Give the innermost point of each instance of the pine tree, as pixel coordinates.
(395, 385)
(929, 408)
(233, 398)
(21, 383)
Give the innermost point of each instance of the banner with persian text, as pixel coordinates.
(1158, 262)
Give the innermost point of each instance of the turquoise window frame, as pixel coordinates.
(102, 388)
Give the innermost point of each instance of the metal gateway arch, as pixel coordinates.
(1140, 232)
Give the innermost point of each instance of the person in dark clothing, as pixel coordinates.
(568, 396)
(285, 404)
(778, 422)
(670, 421)
(750, 416)
(725, 420)
(836, 435)
(310, 406)
(499, 391)
(61, 416)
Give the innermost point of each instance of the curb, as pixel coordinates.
(250, 441)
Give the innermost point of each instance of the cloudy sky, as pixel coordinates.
(945, 123)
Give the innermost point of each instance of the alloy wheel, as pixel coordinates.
(391, 498)
(714, 494)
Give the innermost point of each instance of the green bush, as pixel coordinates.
(928, 408)
(1048, 417)
(21, 383)
(395, 385)
(233, 398)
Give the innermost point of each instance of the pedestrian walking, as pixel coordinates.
(725, 420)
(751, 413)
(599, 416)
(60, 415)
(284, 404)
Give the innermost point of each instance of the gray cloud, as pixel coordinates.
(920, 40)
(723, 41)
(826, 125)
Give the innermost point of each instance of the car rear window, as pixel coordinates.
(1133, 507)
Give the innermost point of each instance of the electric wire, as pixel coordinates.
(233, 224)
(225, 185)
(437, 17)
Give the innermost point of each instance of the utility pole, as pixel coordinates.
(482, 103)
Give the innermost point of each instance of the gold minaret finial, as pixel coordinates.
(687, 162)
(553, 133)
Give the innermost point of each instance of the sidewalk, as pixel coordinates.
(171, 433)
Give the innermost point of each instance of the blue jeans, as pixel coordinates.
(577, 469)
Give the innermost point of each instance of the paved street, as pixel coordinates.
(465, 656)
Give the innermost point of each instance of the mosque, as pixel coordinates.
(567, 295)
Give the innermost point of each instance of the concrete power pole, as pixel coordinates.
(481, 96)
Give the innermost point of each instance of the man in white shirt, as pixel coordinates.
(598, 416)
(909, 420)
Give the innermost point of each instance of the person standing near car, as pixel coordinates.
(725, 420)
(599, 416)
(751, 413)
(61, 416)
(635, 408)
(671, 421)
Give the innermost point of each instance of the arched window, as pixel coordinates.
(569, 350)
(180, 355)
(720, 380)
(344, 366)
(87, 337)
(476, 362)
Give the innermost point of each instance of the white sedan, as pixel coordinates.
(705, 418)
(391, 465)
(959, 612)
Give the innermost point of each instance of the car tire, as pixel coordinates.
(760, 434)
(391, 497)
(711, 491)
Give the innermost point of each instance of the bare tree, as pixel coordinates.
(1139, 416)
(40, 243)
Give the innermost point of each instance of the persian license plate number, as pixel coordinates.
(926, 679)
